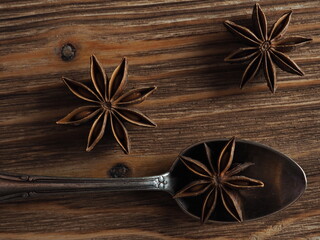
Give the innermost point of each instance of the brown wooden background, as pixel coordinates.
(178, 46)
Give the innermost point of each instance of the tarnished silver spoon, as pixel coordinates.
(284, 181)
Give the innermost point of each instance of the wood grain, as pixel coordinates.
(178, 46)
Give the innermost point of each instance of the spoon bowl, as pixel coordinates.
(284, 180)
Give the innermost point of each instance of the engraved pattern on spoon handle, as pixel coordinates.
(14, 186)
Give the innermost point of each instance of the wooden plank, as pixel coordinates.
(178, 46)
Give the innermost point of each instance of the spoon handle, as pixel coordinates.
(14, 186)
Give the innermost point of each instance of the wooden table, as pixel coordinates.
(178, 46)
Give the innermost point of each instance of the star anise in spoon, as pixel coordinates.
(265, 48)
(218, 181)
(108, 104)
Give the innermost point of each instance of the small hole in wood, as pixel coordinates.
(119, 170)
(68, 52)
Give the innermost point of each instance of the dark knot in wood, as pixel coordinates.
(68, 52)
(119, 170)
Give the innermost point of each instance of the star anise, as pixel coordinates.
(218, 182)
(108, 104)
(265, 48)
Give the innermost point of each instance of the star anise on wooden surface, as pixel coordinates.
(218, 181)
(108, 104)
(265, 48)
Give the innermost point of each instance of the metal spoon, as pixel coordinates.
(284, 181)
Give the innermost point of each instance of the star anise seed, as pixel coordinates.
(108, 104)
(218, 181)
(265, 48)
